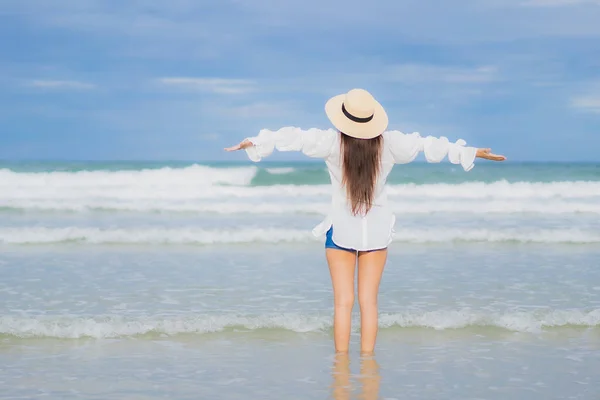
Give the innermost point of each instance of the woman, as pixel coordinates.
(359, 155)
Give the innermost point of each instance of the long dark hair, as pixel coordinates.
(361, 162)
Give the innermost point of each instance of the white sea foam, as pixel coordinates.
(189, 176)
(514, 321)
(300, 206)
(192, 235)
(119, 326)
(194, 180)
(500, 190)
(521, 235)
(204, 189)
(40, 235)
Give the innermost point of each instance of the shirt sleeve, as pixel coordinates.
(314, 143)
(406, 147)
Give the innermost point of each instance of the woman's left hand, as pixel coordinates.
(488, 155)
(241, 146)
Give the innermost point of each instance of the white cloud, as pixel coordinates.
(557, 3)
(258, 110)
(589, 103)
(181, 29)
(213, 85)
(60, 85)
(424, 74)
(419, 73)
(235, 30)
(209, 136)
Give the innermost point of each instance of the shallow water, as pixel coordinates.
(153, 281)
(461, 321)
(410, 366)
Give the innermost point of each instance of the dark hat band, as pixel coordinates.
(356, 119)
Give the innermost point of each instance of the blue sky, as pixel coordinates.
(181, 79)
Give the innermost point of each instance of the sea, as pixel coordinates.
(182, 280)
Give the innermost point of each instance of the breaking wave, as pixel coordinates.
(202, 189)
(196, 236)
(72, 327)
(280, 206)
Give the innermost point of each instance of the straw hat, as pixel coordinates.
(357, 114)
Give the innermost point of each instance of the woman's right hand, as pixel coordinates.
(488, 155)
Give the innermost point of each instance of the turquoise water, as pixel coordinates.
(183, 280)
(312, 173)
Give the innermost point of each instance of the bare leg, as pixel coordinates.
(342, 266)
(370, 269)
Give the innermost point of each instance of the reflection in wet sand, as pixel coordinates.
(368, 380)
(341, 388)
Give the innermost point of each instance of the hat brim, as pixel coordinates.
(365, 130)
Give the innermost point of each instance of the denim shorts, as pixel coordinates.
(330, 245)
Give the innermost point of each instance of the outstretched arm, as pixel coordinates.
(240, 146)
(488, 155)
(313, 142)
(406, 147)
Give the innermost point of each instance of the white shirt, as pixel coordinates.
(375, 229)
